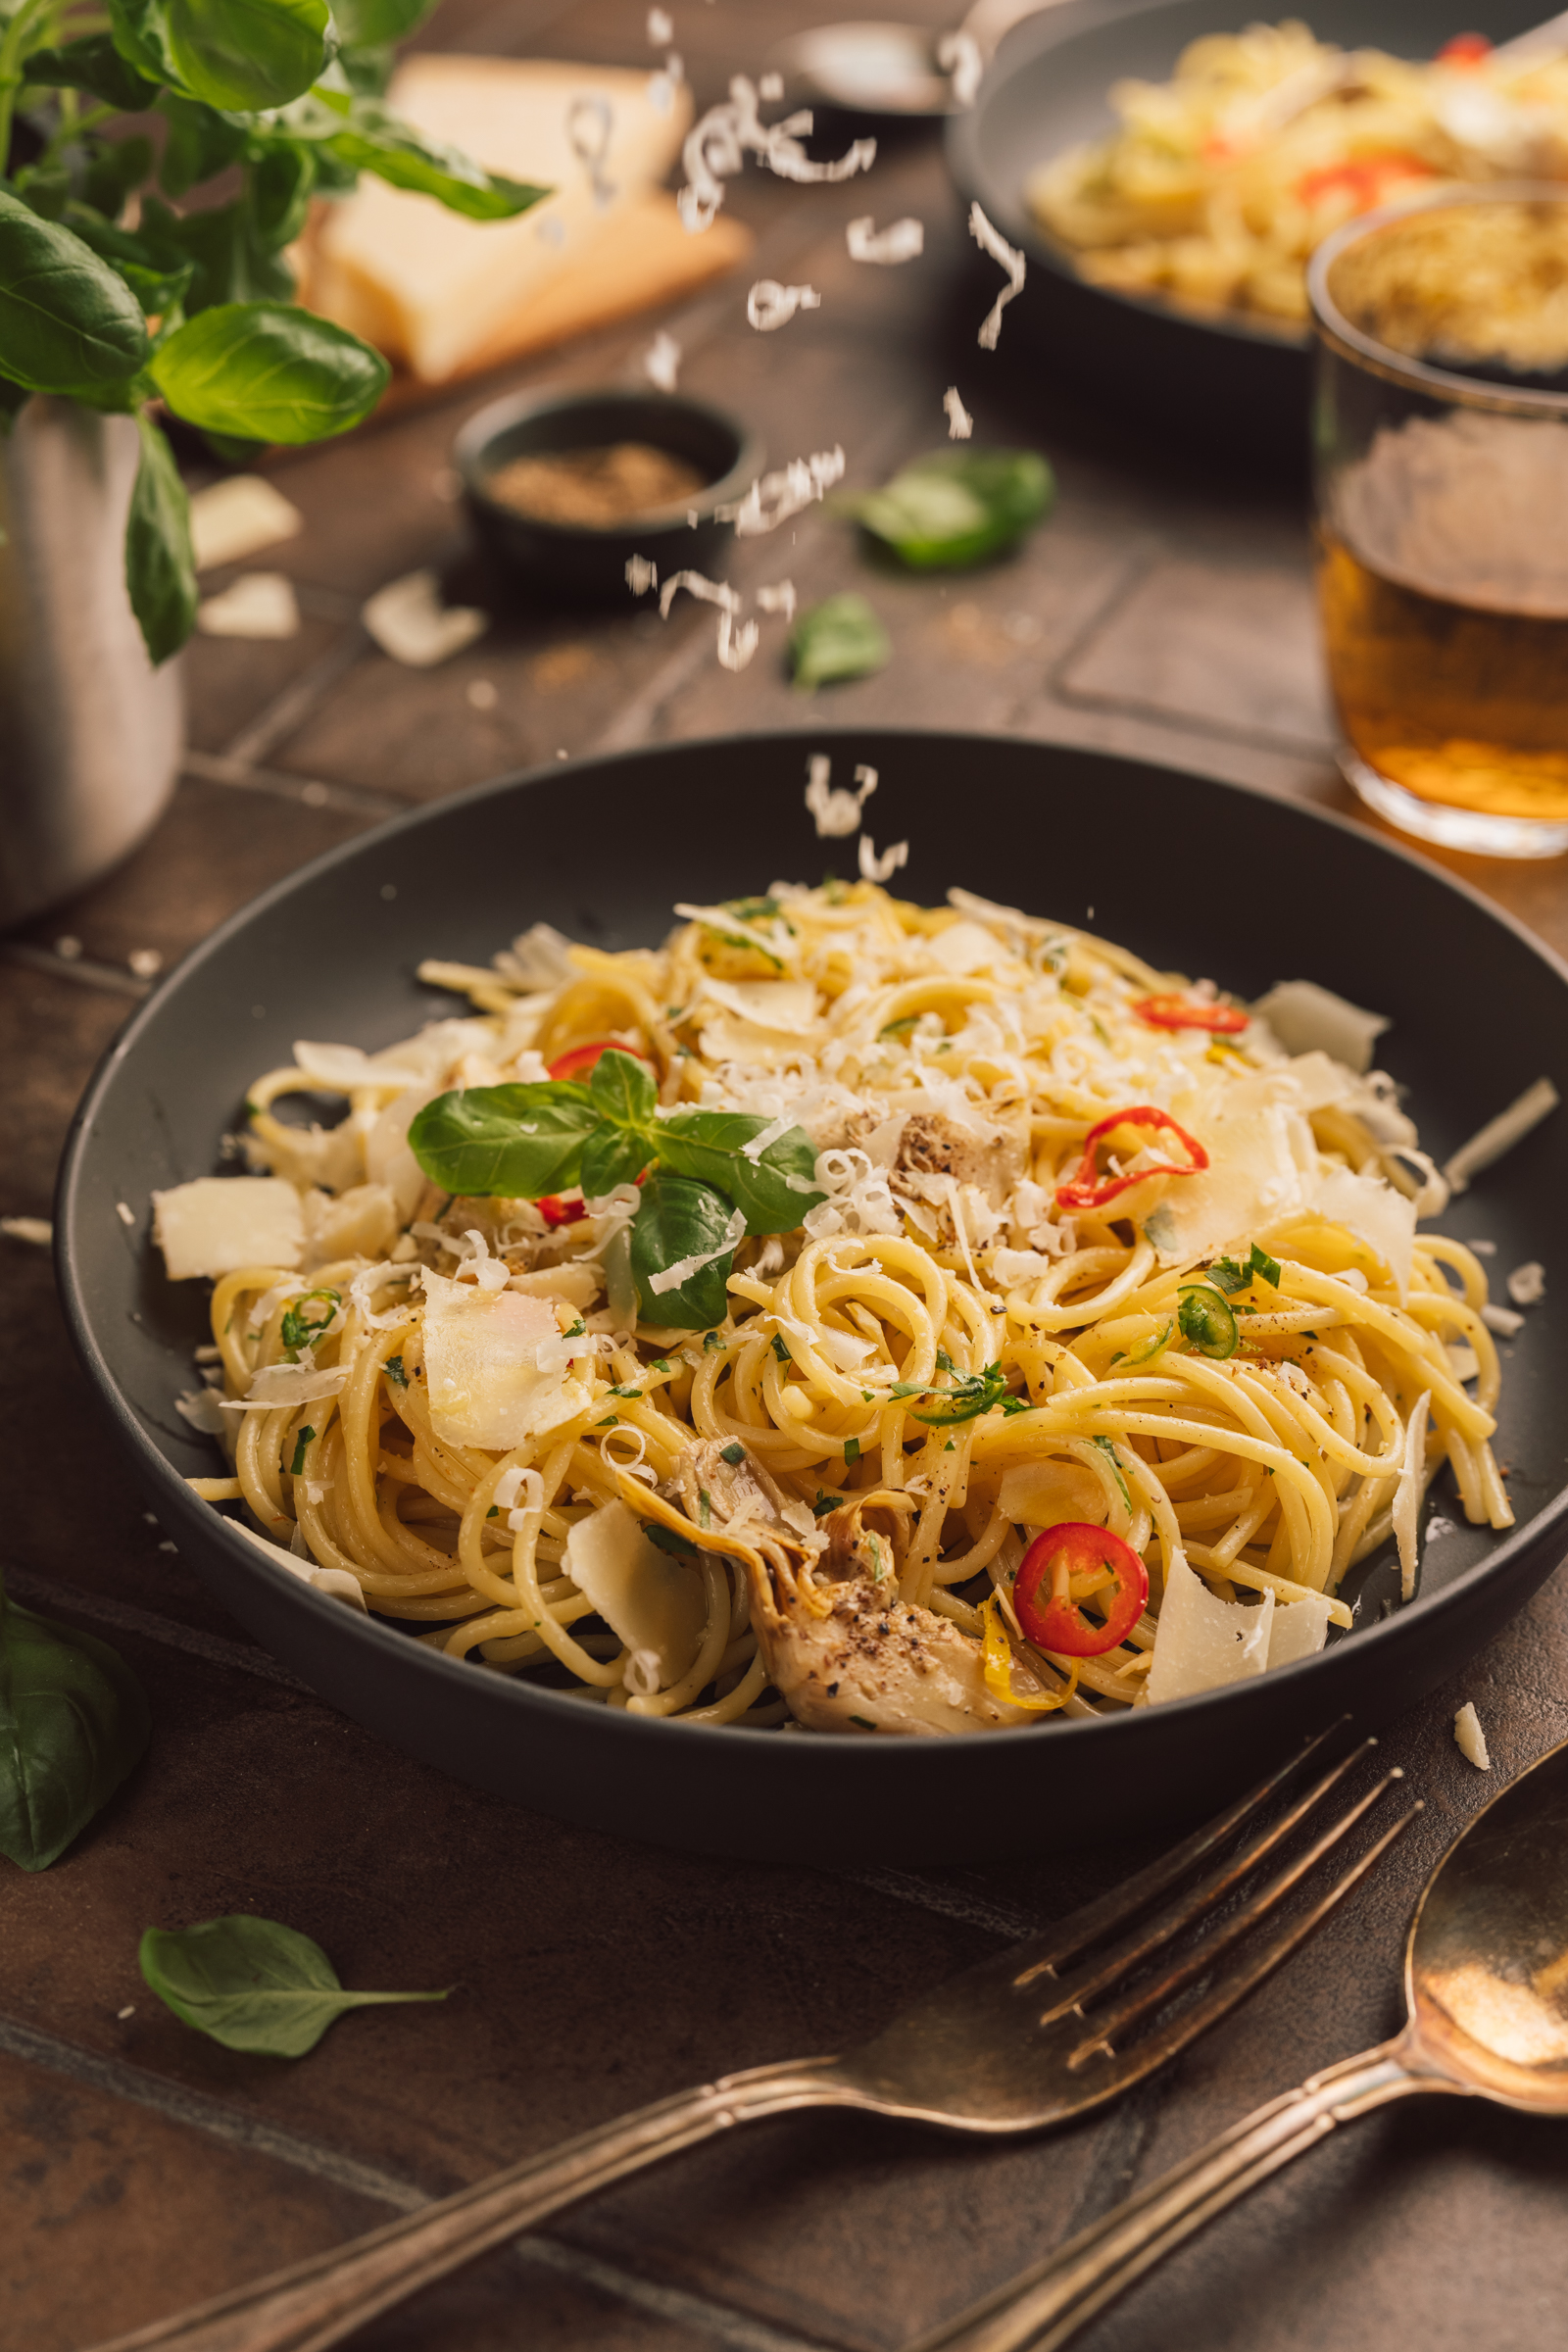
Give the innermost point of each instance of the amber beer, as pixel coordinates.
(1461, 703)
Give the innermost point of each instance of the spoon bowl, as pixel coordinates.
(1486, 1969)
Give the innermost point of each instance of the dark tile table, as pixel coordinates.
(1164, 612)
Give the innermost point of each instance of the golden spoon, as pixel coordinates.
(1487, 1986)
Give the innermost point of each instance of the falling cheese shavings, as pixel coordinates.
(901, 241)
(642, 573)
(717, 145)
(672, 1278)
(694, 583)
(36, 1230)
(590, 127)
(1407, 1493)
(960, 424)
(1499, 1135)
(259, 605)
(880, 869)
(663, 85)
(775, 497)
(771, 306)
(736, 645)
(237, 517)
(779, 597)
(1470, 1739)
(661, 28)
(833, 811)
(991, 241)
(661, 361)
(408, 621)
(959, 56)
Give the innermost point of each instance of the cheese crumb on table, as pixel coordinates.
(1471, 1738)
(237, 517)
(258, 604)
(1527, 1284)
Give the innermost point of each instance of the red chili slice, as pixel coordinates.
(1367, 180)
(1465, 49)
(578, 1060)
(1090, 1190)
(1185, 1013)
(1060, 1569)
(557, 1211)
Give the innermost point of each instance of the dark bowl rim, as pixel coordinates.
(242, 1550)
(497, 417)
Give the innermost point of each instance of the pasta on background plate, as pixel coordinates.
(853, 1315)
(1220, 183)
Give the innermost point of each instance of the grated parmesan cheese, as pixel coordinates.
(216, 1224)
(960, 424)
(881, 869)
(259, 605)
(1470, 1739)
(407, 620)
(1527, 1284)
(237, 517)
(771, 306)
(991, 240)
(901, 241)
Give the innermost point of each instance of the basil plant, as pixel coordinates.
(192, 305)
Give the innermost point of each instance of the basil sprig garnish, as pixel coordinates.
(522, 1142)
(253, 1983)
(74, 1722)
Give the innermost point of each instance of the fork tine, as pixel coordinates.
(1120, 1902)
(1145, 2056)
(1110, 1967)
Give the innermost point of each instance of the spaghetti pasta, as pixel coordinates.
(1084, 1249)
(1219, 184)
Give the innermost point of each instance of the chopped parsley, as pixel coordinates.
(659, 1363)
(610, 1421)
(852, 1451)
(712, 1342)
(864, 1722)
(826, 1502)
(679, 1547)
(1108, 1449)
(1228, 1276)
(300, 1444)
(623, 1391)
(734, 1454)
(494, 1512)
(779, 1348)
(393, 1368)
(705, 1508)
(298, 1329)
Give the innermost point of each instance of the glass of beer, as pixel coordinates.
(1440, 458)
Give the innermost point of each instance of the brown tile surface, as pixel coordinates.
(1162, 611)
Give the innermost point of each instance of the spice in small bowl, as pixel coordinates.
(597, 487)
(565, 488)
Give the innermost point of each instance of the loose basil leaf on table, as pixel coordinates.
(268, 373)
(160, 561)
(94, 65)
(709, 1145)
(839, 638)
(678, 1218)
(67, 321)
(253, 1984)
(238, 55)
(513, 1142)
(956, 506)
(73, 1723)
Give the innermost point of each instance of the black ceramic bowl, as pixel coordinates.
(579, 561)
(1215, 382)
(1479, 1010)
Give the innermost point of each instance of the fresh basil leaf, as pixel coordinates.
(228, 262)
(622, 1090)
(118, 167)
(252, 1983)
(706, 1144)
(67, 321)
(160, 564)
(92, 64)
(74, 1722)
(268, 373)
(377, 23)
(200, 142)
(513, 1142)
(156, 286)
(839, 638)
(372, 139)
(679, 1218)
(956, 506)
(282, 178)
(238, 55)
(613, 1155)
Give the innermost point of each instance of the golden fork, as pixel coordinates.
(1005, 2047)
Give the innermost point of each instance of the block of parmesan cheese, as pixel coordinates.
(220, 1223)
(428, 287)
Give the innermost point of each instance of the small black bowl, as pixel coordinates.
(587, 562)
